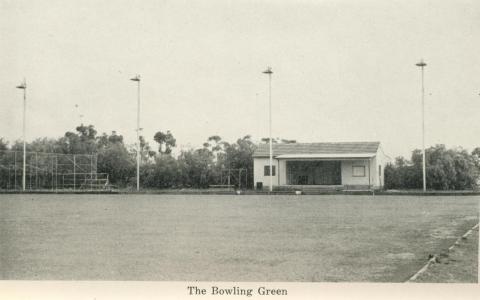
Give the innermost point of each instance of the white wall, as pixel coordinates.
(282, 171)
(347, 172)
(258, 167)
(280, 177)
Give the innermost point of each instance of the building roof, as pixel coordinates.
(347, 149)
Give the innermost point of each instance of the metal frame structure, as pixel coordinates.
(51, 171)
(234, 177)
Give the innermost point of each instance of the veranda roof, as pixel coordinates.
(320, 150)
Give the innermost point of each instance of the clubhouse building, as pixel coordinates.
(346, 165)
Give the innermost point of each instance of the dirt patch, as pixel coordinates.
(457, 265)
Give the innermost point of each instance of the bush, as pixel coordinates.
(446, 169)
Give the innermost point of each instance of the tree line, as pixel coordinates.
(446, 169)
(192, 168)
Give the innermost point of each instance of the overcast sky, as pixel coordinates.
(343, 70)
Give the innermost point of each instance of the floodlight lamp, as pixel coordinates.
(421, 63)
(22, 86)
(268, 71)
(136, 78)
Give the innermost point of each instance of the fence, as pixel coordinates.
(51, 171)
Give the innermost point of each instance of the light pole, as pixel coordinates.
(269, 72)
(422, 65)
(23, 86)
(137, 79)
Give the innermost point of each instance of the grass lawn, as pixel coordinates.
(227, 238)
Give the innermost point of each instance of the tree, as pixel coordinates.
(278, 140)
(3, 145)
(466, 170)
(240, 156)
(164, 173)
(4, 160)
(392, 178)
(476, 157)
(84, 141)
(146, 153)
(86, 133)
(266, 140)
(104, 140)
(195, 167)
(115, 160)
(165, 141)
(214, 143)
(446, 169)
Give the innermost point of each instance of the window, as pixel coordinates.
(358, 171)
(266, 170)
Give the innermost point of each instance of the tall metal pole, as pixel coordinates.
(137, 79)
(23, 86)
(36, 170)
(15, 170)
(422, 65)
(74, 172)
(269, 72)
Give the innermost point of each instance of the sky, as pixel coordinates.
(343, 70)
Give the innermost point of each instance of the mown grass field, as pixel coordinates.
(226, 238)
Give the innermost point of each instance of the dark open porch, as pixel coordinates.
(314, 172)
